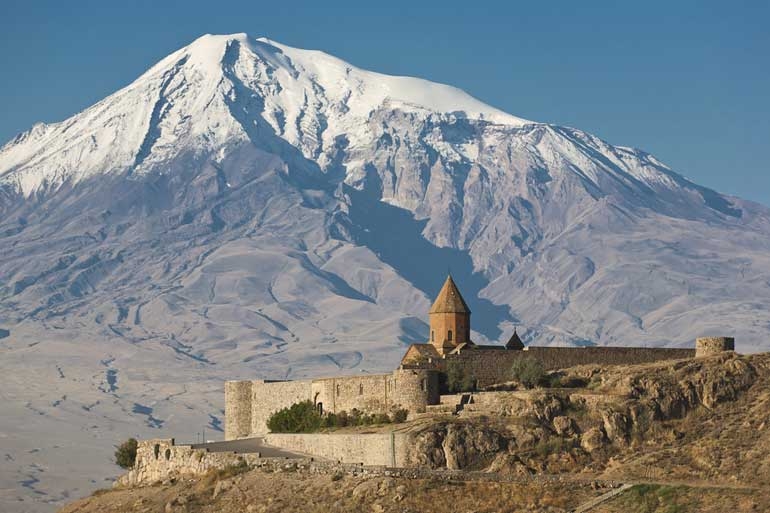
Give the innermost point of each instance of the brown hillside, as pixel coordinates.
(692, 435)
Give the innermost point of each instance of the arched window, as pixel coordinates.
(338, 390)
(361, 389)
(449, 335)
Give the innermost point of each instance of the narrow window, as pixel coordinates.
(432, 336)
(422, 384)
(449, 335)
(338, 390)
(168, 454)
(156, 450)
(361, 389)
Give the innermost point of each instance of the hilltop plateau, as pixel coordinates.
(688, 435)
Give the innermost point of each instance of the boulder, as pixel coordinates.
(592, 439)
(563, 425)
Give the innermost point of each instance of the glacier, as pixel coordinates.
(249, 209)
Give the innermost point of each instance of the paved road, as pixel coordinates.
(248, 445)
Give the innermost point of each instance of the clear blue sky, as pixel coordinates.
(686, 80)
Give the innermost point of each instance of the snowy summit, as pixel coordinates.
(308, 97)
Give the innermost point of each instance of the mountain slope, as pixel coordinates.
(248, 209)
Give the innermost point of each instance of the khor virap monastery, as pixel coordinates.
(416, 382)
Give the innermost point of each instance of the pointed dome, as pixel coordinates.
(449, 299)
(514, 342)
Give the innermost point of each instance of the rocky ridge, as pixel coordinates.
(688, 420)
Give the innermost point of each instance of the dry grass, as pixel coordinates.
(255, 491)
(654, 498)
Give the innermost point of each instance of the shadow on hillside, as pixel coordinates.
(396, 237)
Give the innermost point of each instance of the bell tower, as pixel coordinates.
(450, 319)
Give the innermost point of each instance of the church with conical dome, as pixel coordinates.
(450, 319)
(450, 330)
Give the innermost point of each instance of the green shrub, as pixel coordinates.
(354, 417)
(458, 379)
(125, 454)
(400, 416)
(528, 371)
(381, 418)
(329, 420)
(302, 417)
(559, 380)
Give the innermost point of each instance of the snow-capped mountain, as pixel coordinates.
(245, 208)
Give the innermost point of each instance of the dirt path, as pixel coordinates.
(587, 506)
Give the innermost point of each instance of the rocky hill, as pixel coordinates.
(691, 436)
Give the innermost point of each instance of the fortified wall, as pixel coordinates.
(415, 384)
(492, 366)
(249, 404)
(160, 458)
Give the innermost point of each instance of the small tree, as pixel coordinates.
(528, 371)
(302, 417)
(457, 378)
(125, 454)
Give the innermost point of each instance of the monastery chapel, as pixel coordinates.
(420, 378)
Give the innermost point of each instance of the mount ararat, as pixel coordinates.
(248, 209)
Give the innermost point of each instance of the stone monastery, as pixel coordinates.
(417, 382)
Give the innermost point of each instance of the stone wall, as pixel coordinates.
(416, 388)
(249, 404)
(490, 366)
(389, 449)
(159, 459)
(706, 346)
(267, 397)
(237, 409)
(372, 393)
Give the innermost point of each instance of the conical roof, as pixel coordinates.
(449, 299)
(514, 342)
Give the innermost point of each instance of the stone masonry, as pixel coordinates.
(706, 346)
(249, 404)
